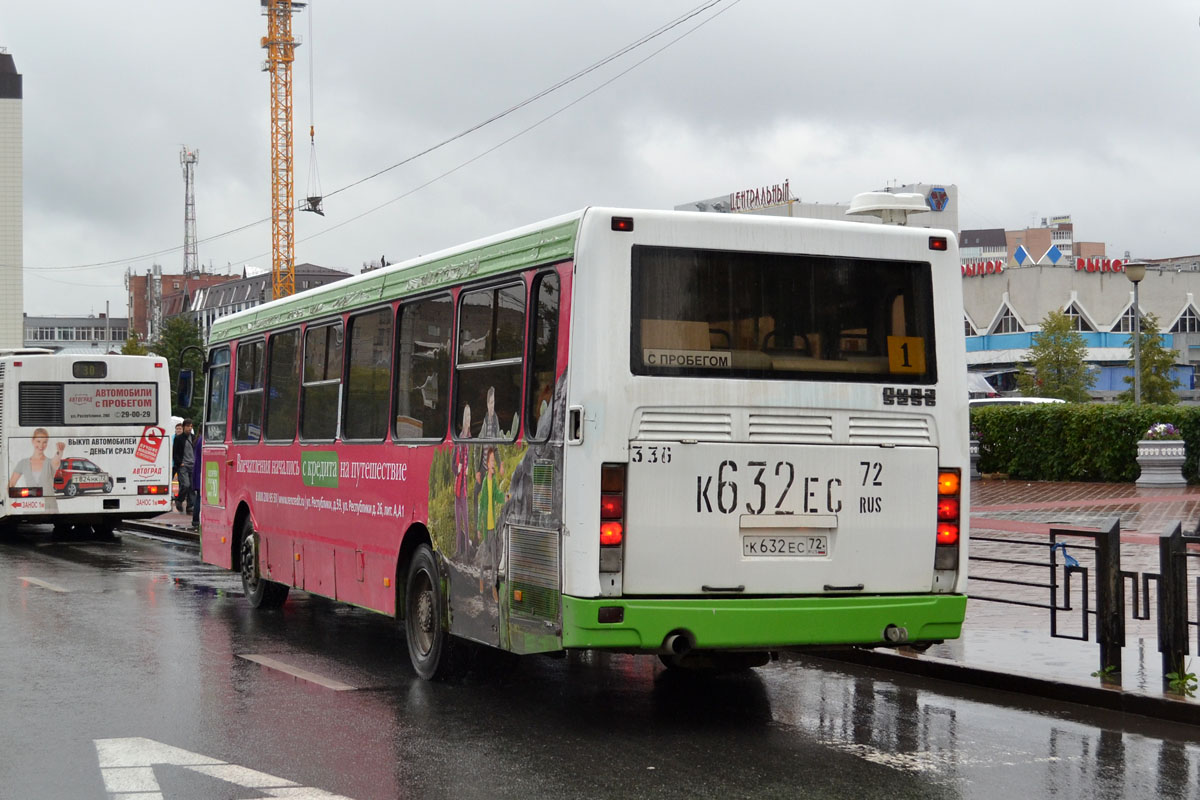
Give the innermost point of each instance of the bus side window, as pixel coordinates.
(543, 347)
(369, 378)
(322, 382)
(423, 369)
(248, 395)
(217, 409)
(491, 343)
(283, 386)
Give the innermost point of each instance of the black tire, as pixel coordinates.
(71, 489)
(260, 592)
(431, 648)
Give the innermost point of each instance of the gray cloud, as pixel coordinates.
(1032, 109)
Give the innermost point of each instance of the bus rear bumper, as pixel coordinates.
(726, 623)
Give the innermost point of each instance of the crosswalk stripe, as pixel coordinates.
(43, 584)
(297, 672)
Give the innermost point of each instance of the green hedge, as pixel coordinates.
(1076, 441)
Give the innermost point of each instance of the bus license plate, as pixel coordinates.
(774, 546)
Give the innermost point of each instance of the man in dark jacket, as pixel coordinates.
(197, 480)
(182, 456)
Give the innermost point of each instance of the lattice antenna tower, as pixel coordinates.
(191, 259)
(281, 53)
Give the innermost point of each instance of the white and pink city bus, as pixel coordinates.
(83, 438)
(707, 437)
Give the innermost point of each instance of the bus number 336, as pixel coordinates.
(767, 488)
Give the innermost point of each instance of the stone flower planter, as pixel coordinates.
(1161, 461)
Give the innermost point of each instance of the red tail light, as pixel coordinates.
(612, 516)
(948, 509)
(24, 491)
(154, 489)
(612, 506)
(611, 533)
(949, 512)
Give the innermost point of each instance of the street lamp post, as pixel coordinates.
(1135, 271)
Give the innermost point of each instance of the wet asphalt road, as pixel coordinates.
(127, 673)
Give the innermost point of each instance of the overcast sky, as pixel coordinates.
(1033, 109)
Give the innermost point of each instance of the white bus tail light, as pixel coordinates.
(24, 491)
(154, 489)
(622, 224)
(949, 516)
(612, 516)
(938, 243)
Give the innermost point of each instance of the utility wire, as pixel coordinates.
(496, 117)
(585, 71)
(516, 135)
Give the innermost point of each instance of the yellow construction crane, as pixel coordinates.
(281, 49)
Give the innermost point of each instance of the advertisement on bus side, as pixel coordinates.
(65, 466)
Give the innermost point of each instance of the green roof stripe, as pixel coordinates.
(553, 243)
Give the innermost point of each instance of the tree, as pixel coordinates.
(1058, 366)
(1157, 360)
(177, 334)
(133, 347)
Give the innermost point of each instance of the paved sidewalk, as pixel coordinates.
(1015, 639)
(1009, 646)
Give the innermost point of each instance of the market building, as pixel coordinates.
(1013, 279)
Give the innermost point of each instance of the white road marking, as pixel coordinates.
(43, 584)
(297, 672)
(127, 766)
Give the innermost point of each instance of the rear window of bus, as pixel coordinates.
(711, 313)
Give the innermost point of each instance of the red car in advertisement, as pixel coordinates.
(77, 475)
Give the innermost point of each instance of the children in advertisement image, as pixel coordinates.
(38, 469)
(479, 487)
(462, 482)
(491, 498)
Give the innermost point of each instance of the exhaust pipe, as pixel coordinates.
(679, 644)
(894, 634)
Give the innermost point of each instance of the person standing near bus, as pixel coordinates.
(184, 455)
(176, 452)
(197, 481)
(37, 470)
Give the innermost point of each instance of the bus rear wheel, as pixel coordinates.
(431, 648)
(260, 592)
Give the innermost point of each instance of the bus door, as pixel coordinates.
(214, 458)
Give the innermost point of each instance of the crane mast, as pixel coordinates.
(281, 47)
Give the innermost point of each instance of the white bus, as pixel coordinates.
(83, 442)
(706, 437)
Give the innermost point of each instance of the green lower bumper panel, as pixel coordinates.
(644, 623)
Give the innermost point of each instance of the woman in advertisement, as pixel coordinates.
(38, 469)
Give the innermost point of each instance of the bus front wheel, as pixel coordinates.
(260, 592)
(430, 647)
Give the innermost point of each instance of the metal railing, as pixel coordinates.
(1105, 581)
